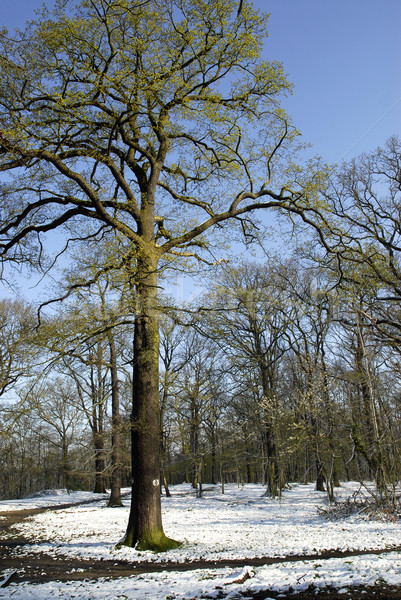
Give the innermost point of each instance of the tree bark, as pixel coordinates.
(98, 421)
(99, 487)
(115, 495)
(163, 450)
(374, 455)
(145, 530)
(66, 466)
(320, 478)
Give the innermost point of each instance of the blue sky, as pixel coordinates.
(344, 58)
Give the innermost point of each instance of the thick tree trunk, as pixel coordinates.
(145, 530)
(271, 465)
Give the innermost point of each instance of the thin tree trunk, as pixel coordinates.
(273, 468)
(213, 476)
(376, 454)
(335, 478)
(163, 453)
(66, 466)
(98, 444)
(194, 441)
(165, 483)
(99, 467)
(97, 416)
(115, 495)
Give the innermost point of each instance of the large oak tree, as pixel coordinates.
(154, 119)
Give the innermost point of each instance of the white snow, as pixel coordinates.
(47, 498)
(240, 524)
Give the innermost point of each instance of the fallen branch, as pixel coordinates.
(7, 579)
(246, 573)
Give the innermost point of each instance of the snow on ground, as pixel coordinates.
(191, 585)
(239, 524)
(47, 498)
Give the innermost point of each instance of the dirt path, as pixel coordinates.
(41, 567)
(359, 593)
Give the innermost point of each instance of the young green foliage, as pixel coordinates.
(156, 119)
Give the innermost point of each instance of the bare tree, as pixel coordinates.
(16, 331)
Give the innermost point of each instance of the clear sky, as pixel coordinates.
(344, 58)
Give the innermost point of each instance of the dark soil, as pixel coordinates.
(357, 593)
(40, 567)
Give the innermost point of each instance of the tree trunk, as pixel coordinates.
(373, 452)
(194, 440)
(97, 419)
(99, 466)
(115, 495)
(145, 530)
(335, 477)
(213, 470)
(320, 478)
(165, 483)
(273, 475)
(163, 452)
(270, 465)
(66, 466)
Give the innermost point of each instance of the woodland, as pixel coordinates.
(143, 143)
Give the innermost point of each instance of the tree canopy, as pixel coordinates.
(151, 122)
(109, 107)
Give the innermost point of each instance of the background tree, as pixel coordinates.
(336, 385)
(362, 255)
(57, 417)
(311, 307)
(196, 394)
(172, 360)
(249, 325)
(16, 330)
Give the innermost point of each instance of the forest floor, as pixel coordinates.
(40, 566)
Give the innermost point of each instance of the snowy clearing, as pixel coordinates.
(241, 524)
(48, 498)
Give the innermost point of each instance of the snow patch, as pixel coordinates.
(240, 524)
